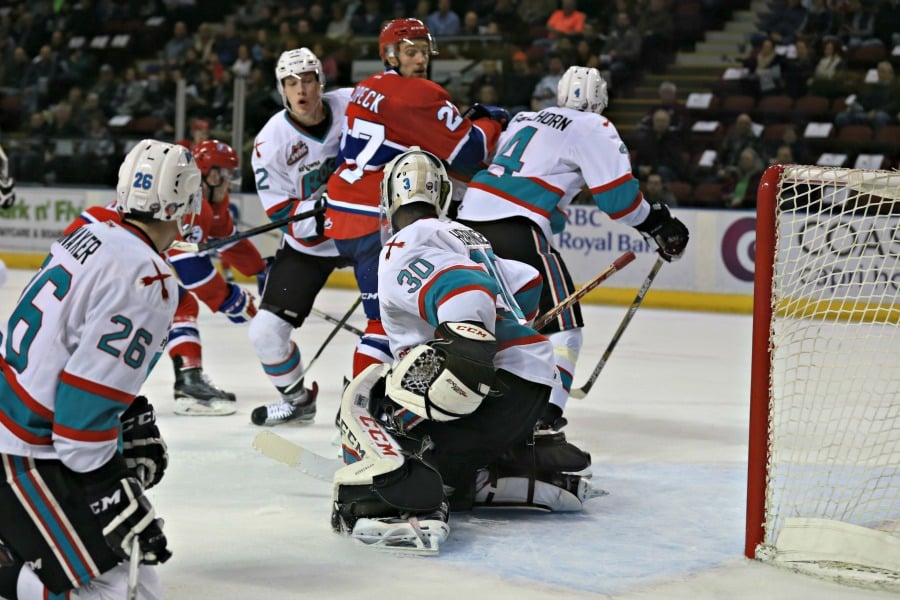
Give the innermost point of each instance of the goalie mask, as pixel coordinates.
(294, 63)
(413, 176)
(159, 180)
(584, 89)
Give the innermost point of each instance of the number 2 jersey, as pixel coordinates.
(434, 271)
(387, 115)
(81, 341)
(542, 161)
(292, 168)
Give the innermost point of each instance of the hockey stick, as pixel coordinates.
(340, 324)
(577, 295)
(347, 327)
(134, 565)
(295, 456)
(583, 390)
(218, 243)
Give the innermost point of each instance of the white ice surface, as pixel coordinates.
(666, 424)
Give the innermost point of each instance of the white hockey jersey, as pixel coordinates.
(292, 169)
(542, 161)
(80, 343)
(434, 271)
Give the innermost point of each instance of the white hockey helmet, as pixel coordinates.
(413, 176)
(584, 89)
(293, 63)
(159, 180)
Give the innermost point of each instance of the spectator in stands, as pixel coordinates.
(799, 148)
(243, 64)
(367, 20)
(821, 22)
(621, 52)
(766, 70)
(887, 23)
(878, 103)
(29, 162)
(199, 133)
(783, 156)
(227, 42)
(318, 20)
(535, 12)
(131, 95)
(14, 74)
(857, 25)
(62, 125)
(95, 156)
(783, 24)
(586, 54)
(204, 40)
(679, 120)
(735, 141)
(339, 24)
(742, 180)
(41, 80)
(828, 73)
(443, 22)
(517, 86)
(174, 50)
(656, 27)
(490, 75)
(105, 88)
(657, 191)
(544, 94)
(567, 21)
(798, 69)
(660, 150)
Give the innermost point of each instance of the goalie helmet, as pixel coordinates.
(213, 153)
(403, 30)
(293, 63)
(159, 180)
(584, 89)
(413, 176)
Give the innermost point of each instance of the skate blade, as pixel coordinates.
(189, 407)
(405, 538)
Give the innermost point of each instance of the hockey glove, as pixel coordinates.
(143, 446)
(668, 233)
(123, 511)
(238, 306)
(484, 111)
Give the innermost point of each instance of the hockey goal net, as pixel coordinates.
(823, 490)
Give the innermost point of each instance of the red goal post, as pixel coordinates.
(823, 477)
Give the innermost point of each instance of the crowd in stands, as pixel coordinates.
(80, 80)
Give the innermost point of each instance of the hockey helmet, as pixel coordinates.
(293, 63)
(413, 176)
(213, 153)
(158, 180)
(584, 89)
(403, 30)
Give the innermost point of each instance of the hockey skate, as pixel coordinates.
(299, 408)
(196, 396)
(416, 534)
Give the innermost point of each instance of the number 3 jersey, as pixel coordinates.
(434, 271)
(542, 162)
(292, 168)
(80, 342)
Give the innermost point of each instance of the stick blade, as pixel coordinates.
(296, 456)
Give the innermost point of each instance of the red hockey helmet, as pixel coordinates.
(213, 153)
(403, 30)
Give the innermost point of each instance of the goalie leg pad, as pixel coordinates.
(554, 492)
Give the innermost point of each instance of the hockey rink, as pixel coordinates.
(666, 424)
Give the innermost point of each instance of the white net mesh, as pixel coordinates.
(834, 417)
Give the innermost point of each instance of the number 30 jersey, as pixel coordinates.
(80, 342)
(434, 271)
(387, 114)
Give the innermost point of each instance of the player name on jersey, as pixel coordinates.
(81, 243)
(367, 98)
(470, 237)
(548, 118)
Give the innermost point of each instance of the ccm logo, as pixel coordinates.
(472, 331)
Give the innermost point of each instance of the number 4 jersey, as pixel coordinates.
(434, 271)
(80, 342)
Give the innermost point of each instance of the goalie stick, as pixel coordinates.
(582, 391)
(296, 456)
(577, 295)
(218, 243)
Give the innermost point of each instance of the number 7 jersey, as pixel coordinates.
(80, 343)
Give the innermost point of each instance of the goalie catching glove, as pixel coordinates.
(668, 233)
(448, 377)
